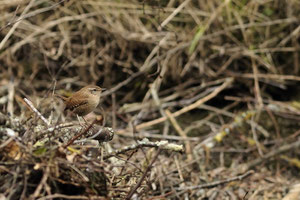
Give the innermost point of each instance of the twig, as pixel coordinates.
(114, 111)
(5, 143)
(11, 94)
(256, 84)
(266, 76)
(105, 134)
(216, 183)
(180, 173)
(16, 24)
(121, 84)
(73, 197)
(175, 12)
(25, 16)
(181, 133)
(42, 182)
(30, 104)
(153, 134)
(227, 82)
(255, 138)
(80, 134)
(146, 143)
(271, 154)
(294, 192)
(133, 190)
(154, 93)
(59, 126)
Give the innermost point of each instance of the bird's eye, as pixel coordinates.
(93, 89)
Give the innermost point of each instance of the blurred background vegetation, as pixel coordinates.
(156, 56)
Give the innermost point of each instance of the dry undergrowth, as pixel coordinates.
(219, 77)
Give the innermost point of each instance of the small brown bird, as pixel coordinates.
(83, 101)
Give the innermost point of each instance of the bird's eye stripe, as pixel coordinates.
(94, 89)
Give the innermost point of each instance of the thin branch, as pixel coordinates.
(271, 154)
(30, 104)
(217, 183)
(181, 133)
(133, 190)
(227, 82)
(42, 182)
(165, 145)
(80, 134)
(31, 14)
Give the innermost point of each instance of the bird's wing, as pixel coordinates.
(75, 103)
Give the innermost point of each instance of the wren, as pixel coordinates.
(83, 101)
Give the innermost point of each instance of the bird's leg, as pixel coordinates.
(79, 120)
(84, 120)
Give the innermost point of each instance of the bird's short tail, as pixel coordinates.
(61, 97)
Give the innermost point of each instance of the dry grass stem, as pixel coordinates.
(198, 93)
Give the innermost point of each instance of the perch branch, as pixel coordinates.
(164, 145)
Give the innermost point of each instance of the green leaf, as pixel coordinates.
(268, 11)
(196, 38)
(40, 151)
